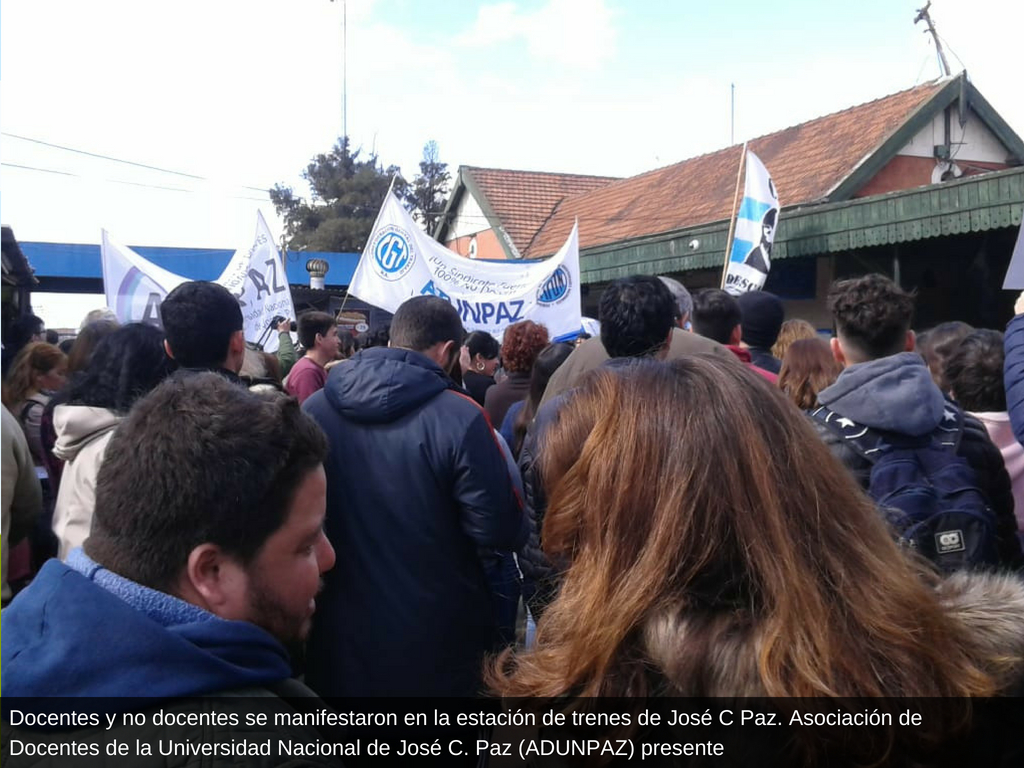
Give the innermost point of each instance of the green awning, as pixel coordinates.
(973, 204)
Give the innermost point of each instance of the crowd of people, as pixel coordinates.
(705, 500)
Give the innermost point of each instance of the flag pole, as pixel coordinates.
(732, 220)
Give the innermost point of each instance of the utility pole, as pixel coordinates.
(732, 114)
(344, 68)
(923, 15)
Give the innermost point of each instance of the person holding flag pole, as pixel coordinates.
(751, 228)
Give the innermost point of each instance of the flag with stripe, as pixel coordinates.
(754, 232)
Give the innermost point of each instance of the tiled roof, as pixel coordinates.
(806, 162)
(524, 200)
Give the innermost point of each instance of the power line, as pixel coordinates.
(33, 168)
(119, 160)
(132, 183)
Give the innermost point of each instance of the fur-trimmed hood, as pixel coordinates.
(990, 605)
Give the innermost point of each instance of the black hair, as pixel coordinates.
(198, 460)
(938, 344)
(199, 319)
(975, 372)
(715, 314)
(313, 323)
(24, 328)
(483, 344)
(548, 361)
(125, 365)
(872, 314)
(636, 315)
(423, 321)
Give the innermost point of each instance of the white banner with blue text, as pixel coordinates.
(400, 261)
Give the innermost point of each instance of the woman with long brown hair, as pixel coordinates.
(39, 370)
(714, 547)
(807, 368)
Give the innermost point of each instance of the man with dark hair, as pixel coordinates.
(717, 316)
(634, 329)
(24, 330)
(761, 316)
(417, 484)
(637, 314)
(318, 333)
(204, 328)
(886, 387)
(198, 583)
(872, 316)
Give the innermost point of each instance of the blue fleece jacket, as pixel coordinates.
(81, 630)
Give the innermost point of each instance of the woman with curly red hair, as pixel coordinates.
(519, 349)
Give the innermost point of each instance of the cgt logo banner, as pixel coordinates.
(135, 287)
(400, 261)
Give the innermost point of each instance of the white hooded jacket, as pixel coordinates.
(82, 436)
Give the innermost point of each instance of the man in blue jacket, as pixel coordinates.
(416, 486)
(200, 573)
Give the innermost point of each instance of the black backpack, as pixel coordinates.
(927, 492)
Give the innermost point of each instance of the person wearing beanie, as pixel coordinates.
(761, 317)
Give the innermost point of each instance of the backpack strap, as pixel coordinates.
(872, 444)
(950, 431)
(27, 407)
(867, 442)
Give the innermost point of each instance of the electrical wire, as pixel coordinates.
(118, 159)
(33, 168)
(132, 183)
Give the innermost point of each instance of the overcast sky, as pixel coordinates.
(237, 95)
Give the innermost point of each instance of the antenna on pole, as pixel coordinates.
(344, 68)
(923, 15)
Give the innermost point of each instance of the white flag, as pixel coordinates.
(256, 276)
(756, 221)
(135, 286)
(400, 261)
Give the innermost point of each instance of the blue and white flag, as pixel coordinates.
(400, 261)
(756, 220)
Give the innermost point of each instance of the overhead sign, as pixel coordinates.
(400, 261)
(135, 287)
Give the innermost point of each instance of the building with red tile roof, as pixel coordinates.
(868, 185)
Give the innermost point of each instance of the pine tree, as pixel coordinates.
(429, 189)
(346, 195)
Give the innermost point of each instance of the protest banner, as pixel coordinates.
(753, 231)
(135, 286)
(401, 261)
(256, 276)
